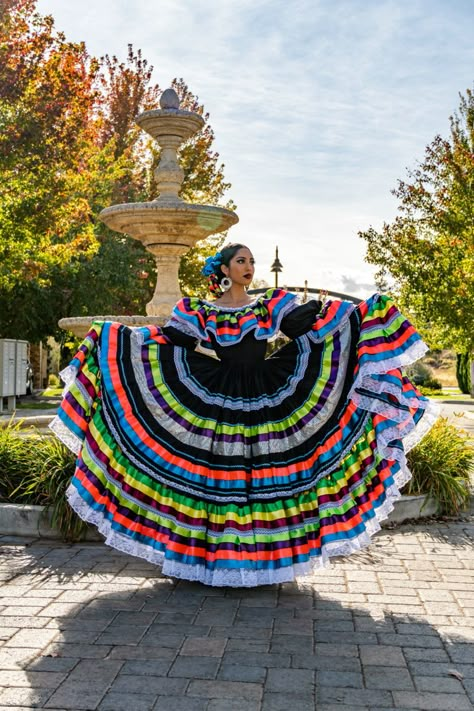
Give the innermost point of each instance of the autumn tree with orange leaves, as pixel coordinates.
(68, 148)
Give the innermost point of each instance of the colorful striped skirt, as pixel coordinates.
(244, 472)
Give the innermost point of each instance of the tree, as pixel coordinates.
(191, 281)
(463, 374)
(52, 174)
(68, 148)
(426, 256)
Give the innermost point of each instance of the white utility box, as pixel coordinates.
(13, 365)
(21, 367)
(7, 367)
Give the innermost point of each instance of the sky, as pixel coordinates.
(318, 107)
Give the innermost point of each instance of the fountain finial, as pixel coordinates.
(169, 100)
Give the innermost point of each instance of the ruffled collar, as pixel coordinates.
(222, 307)
(229, 324)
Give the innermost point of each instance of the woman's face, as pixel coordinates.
(241, 267)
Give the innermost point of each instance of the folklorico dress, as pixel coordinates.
(242, 470)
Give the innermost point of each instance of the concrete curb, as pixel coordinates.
(39, 421)
(409, 507)
(31, 520)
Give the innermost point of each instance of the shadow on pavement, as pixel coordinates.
(43, 558)
(454, 531)
(132, 639)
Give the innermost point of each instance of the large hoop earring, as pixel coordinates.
(225, 283)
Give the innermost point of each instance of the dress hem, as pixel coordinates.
(234, 577)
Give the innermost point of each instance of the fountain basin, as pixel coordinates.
(81, 325)
(179, 123)
(168, 221)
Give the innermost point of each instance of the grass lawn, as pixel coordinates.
(35, 405)
(448, 395)
(42, 400)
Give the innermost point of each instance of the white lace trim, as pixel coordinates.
(223, 307)
(261, 297)
(413, 353)
(180, 326)
(403, 427)
(231, 577)
(431, 414)
(64, 434)
(60, 429)
(68, 376)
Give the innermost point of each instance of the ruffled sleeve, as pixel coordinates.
(83, 378)
(82, 387)
(387, 344)
(387, 338)
(332, 318)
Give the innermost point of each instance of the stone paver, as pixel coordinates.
(85, 627)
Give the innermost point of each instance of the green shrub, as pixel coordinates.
(423, 376)
(36, 469)
(429, 392)
(432, 384)
(441, 464)
(15, 458)
(53, 381)
(430, 387)
(463, 372)
(419, 373)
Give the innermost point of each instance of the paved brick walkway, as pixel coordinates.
(83, 627)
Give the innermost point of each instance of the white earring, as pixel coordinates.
(225, 283)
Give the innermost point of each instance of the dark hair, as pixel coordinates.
(227, 252)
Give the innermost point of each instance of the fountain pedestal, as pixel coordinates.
(168, 226)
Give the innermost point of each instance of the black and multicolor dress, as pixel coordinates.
(238, 469)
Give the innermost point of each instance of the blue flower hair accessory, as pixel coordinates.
(212, 264)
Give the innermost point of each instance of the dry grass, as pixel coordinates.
(447, 378)
(443, 366)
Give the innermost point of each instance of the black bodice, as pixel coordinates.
(248, 352)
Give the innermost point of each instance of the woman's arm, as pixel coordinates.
(300, 319)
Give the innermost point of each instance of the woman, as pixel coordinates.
(240, 470)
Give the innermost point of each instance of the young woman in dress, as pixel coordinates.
(243, 470)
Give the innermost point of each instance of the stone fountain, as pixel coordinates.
(168, 226)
